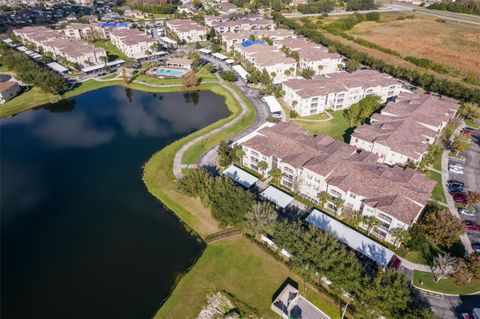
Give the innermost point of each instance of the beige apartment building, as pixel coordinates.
(132, 42)
(310, 165)
(403, 130)
(187, 30)
(337, 91)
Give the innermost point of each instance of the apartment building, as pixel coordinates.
(80, 31)
(211, 19)
(242, 24)
(132, 42)
(187, 30)
(337, 91)
(311, 165)
(230, 39)
(403, 130)
(59, 46)
(227, 8)
(312, 55)
(266, 57)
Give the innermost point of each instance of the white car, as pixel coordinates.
(466, 212)
(456, 170)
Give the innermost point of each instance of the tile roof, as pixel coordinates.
(399, 192)
(339, 82)
(6, 85)
(131, 36)
(406, 124)
(308, 50)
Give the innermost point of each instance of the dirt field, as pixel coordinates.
(452, 44)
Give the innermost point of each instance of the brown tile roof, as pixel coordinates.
(266, 55)
(339, 82)
(308, 50)
(131, 36)
(401, 125)
(396, 191)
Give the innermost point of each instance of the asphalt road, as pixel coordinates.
(209, 158)
(471, 178)
(391, 7)
(451, 307)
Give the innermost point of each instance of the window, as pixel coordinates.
(288, 170)
(352, 195)
(313, 111)
(335, 193)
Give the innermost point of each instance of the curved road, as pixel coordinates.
(177, 162)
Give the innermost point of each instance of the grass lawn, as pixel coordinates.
(193, 153)
(241, 268)
(437, 164)
(438, 194)
(110, 76)
(471, 123)
(113, 52)
(415, 257)
(444, 285)
(337, 127)
(26, 100)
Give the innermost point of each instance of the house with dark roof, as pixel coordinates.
(310, 165)
(403, 130)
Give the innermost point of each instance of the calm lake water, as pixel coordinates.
(80, 235)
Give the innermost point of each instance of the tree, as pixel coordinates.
(470, 111)
(460, 143)
(401, 235)
(359, 112)
(444, 266)
(293, 114)
(323, 198)
(442, 228)
(261, 218)
(468, 269)
(352, 65)
(388, 295)
(229, 76)
(262, 166)
(338, 202)
(473, 197)
(276, 175)
(190, 80)
(371, 222)
(224, 156)
(373, 16)
(308, 73)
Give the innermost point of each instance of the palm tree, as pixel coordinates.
(323, 197)
(262, 166)
(370, 222)
(400, 234)
(276, 175)
(338, 202)
(444, 266)
(470, 111)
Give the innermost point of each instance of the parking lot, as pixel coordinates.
(471, 179)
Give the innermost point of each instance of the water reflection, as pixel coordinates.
(80, 236)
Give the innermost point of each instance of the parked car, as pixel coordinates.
(476, 247)
(455, 165)
(453, 182)
(460, 199)
(457, 194)
(395, 263)
(466, 212)
(466, 132)
(456, 170)
(456, 189)
(471, 225)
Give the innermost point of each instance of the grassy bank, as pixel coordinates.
(437, 194)
(337, 127)
(426, 280)
(244, 270)
(193, 153)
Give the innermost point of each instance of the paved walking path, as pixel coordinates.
(177, 162)
(308, 120)
(412, 266)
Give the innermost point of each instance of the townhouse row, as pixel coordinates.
(60, 46)
(311, 165)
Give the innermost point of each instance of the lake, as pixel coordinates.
(81, 237)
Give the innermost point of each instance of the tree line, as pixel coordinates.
(461, 6)
(316, 254)
(30, 72)
(427, 81)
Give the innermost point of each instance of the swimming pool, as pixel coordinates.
(170, 72)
